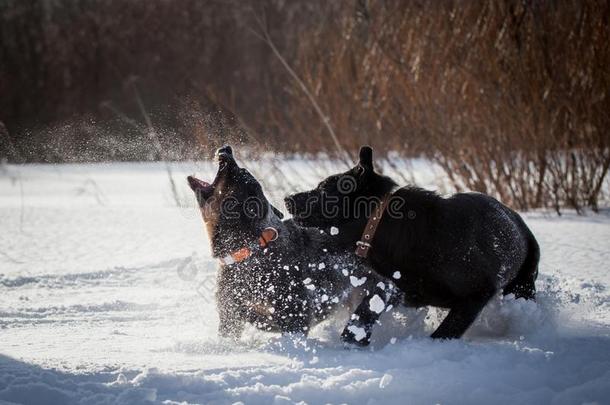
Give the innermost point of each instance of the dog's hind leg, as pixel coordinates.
(460, 317)
(524, 284)
(359, 328)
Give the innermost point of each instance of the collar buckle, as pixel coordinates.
(364, 244)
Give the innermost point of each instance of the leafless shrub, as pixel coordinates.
(508, 97)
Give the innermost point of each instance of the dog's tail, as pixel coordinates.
(523, 285)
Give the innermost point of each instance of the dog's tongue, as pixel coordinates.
(197, 184)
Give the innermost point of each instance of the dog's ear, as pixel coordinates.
(366, 158)
(277, 212)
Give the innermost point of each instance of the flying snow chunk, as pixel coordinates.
(321, 266)
(381, 285)
(334, 230)
(335, 300)
(345, 272)
(376, 304)
(310, 287)
(307, 281)
(393, 340)
(396, 275)
(359, 333)
(385, 380)
(286, 268)
(272, 310)
(324, 298)
(356, 282)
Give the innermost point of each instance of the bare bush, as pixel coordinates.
(508, 97)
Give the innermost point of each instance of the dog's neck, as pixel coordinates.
(349, 232)
(227, 239)
(352, 231)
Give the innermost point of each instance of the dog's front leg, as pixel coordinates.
(359, 328)
(231, 324)
(460, 317)
(230, 313)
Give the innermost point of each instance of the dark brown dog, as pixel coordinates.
(274, 274)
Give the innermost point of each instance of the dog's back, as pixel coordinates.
(457, 244)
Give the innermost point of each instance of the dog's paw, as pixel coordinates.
(354, 335)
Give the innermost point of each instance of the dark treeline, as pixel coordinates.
(71, 72)
(508, 97)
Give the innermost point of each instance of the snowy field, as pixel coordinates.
(106, 297)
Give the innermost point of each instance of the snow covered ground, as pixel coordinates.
(106, 296)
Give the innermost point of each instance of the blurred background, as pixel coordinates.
(503, 97)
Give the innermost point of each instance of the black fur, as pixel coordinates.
(287, 286)
(454, 252)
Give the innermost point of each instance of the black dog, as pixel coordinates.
(454, 252)
(273, 273)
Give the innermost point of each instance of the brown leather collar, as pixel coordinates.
(268, 235)
(364, 244)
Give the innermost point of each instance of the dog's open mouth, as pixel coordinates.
(223, 160)
(224, 156)
(199, 186)
(222, 163)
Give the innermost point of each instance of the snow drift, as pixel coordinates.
(106, 297)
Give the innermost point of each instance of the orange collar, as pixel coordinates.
(268, 235)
